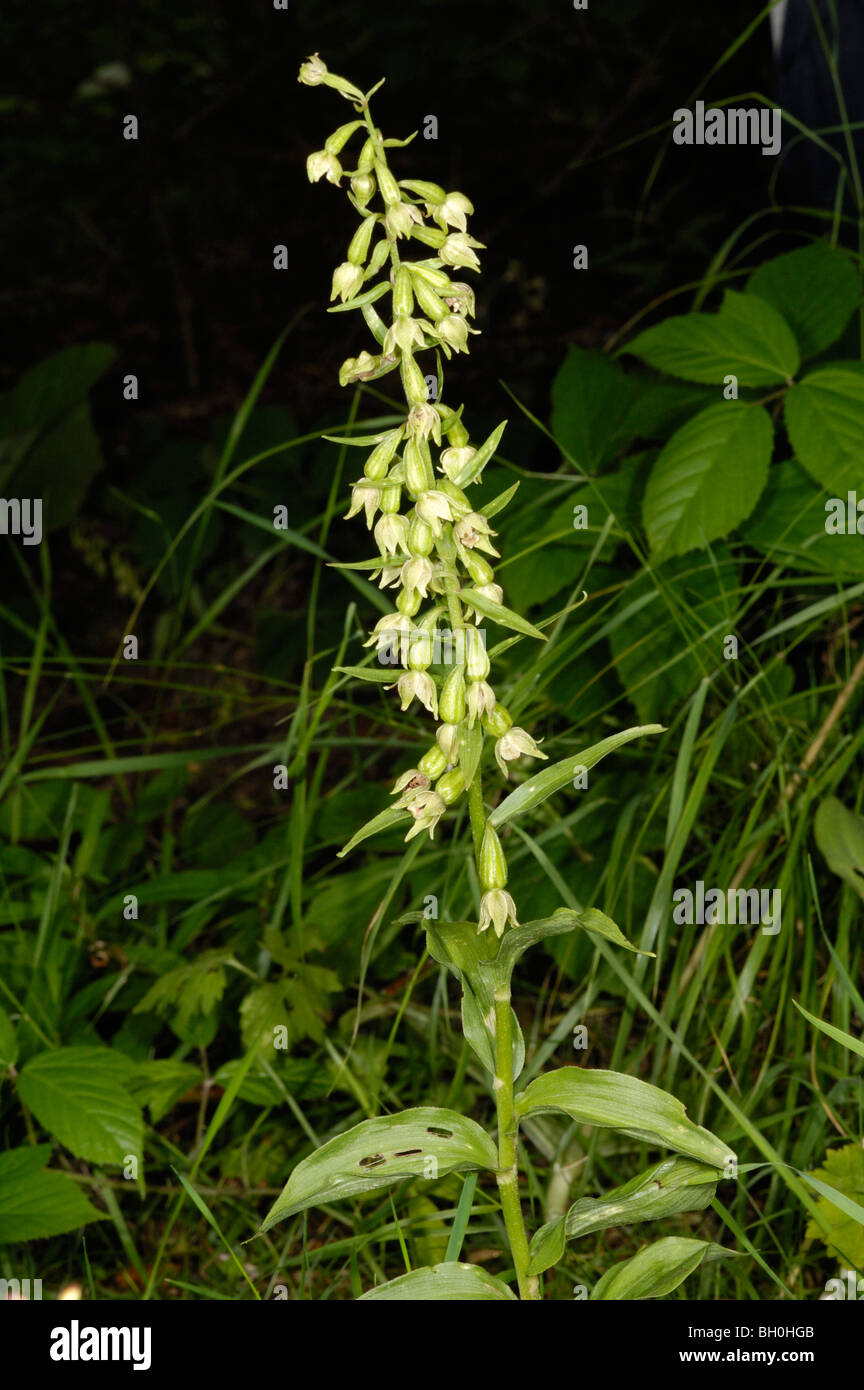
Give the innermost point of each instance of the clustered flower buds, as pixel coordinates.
(437, 547)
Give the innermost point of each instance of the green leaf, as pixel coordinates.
(845, 1039)
(35, 1203)
(843, 1176)
(421, 1143)
(708, 477)
(563, 920)
(8, 1042)
(160, 1084)
(450, 1282)
(746, 339)
(612, 1100)
(505, 617)
(366, 673)
(474, 467)
(383, 821)
(547, 1246)
(816, 290)
(789, 524)
(591, 397)
(544, 784)
(498, 503)
(840, 836)
(825, 421)
(658, 1269)
(667, 1188)
(470, 750)
(81, 1096)
(472, 956)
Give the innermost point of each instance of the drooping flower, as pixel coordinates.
(495, 908)
(516, 743)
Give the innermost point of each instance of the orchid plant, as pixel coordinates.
(437, 554)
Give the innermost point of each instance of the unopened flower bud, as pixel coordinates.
(391, 496)
(429, 192)
(433, 763)
(451, 786)
(429, 301)
(363, 187)
(387, 184)
(477, 658)
(452, 700)
(403, 293)
(409, 601)
(420, 536)
(380, 458)
(498, 722)
(347, 280)
(358, 249)
(323, 165)
(413, 380)
(419, 477)
(336, 142)
(495, 907)
(366, 159)
(492, 867)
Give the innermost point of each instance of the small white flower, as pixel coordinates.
(312, 71)
(323, 165)
(417, 574)
(347, 279)
(454, 330)
(391, 534)
(364, 496)
(409, 782)
(400, 218)
(495, 907)
(460, 298)
(474, 531)
(447, 738)
(479, 700)
(424, 420)
(404, 333)
(427, 808)
(457, 250)
(492, 591)
(453, 460)
(452, 212)
(433, 507)
(514, 744)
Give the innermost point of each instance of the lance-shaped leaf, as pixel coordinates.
(366, 673)
(505, 617)
(368, 298)
(564, 920)
(474, 467)
(658, 1269)
(422, 1143)
(498, 503)
(613, 1100)
(544, 784)
(667, 1188)
(451, 1282)
(383, 821)
(470, 748)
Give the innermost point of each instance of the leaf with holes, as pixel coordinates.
(423, 1143)
(746, 339)
(81, 1096)
(708, 478)
(658, 1269)
(613, 1100)
(451, 1282)
(667, 1188)
(544, 784)
(825, 421)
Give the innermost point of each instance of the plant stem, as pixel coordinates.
(508, 1172)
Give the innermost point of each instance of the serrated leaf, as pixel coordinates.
(423, 1143)
(708, 478)
(789, 524)
(746, 339)
(843, 1175)
(81, 1096)
(383, 821)
(544, 784)
(591, 398)
(658, 1269)
(825, 420)
(840, 836)
(816, 290)
(505, 617)
(450, 1282)
(613, 1100)
(665, 1189)
(35, 1203)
